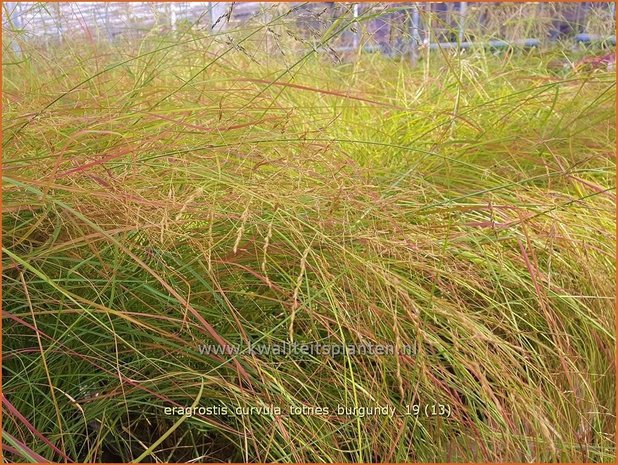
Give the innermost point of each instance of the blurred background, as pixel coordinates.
(388, 28)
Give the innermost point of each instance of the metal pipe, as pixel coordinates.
(499, 44)
(173, 15)
(357, 32)
(463, 8)
(414, 34)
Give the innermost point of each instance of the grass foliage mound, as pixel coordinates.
(204, 189)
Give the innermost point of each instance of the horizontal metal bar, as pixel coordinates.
(491, 44)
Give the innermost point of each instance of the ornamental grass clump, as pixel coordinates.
(195, 189)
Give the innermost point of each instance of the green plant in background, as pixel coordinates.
(197, 189)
